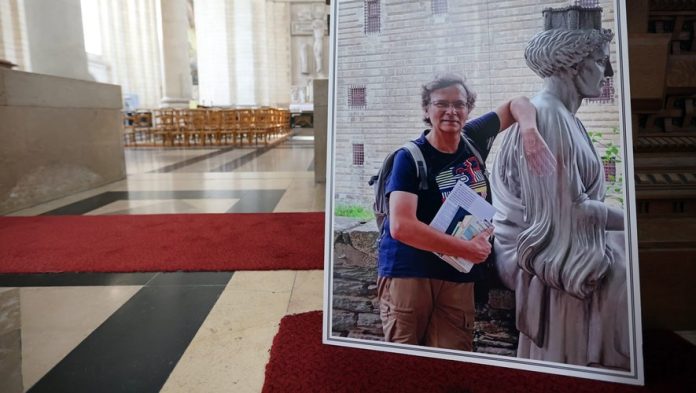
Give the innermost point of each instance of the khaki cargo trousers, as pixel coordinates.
(430, 312)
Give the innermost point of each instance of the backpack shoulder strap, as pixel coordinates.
(474, 150)
(421, 167)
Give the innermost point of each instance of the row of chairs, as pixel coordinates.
(205, 126)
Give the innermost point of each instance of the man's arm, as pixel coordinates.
(405, 227)
(539, 158)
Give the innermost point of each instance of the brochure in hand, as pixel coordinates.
(464, 214)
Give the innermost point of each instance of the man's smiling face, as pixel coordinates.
(447, 110)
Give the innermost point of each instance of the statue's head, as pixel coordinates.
(575, 46)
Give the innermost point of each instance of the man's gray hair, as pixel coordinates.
(556, 50)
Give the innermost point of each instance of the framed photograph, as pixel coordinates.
(480, 196)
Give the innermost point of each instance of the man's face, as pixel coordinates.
(592, 71)
(447, 110)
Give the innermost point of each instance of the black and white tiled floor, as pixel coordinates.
(170, 332)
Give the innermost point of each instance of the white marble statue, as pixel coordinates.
(318, 31)
(558, 245)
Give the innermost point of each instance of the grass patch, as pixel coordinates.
(353, 211)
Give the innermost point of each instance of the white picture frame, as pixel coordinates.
(355, 60)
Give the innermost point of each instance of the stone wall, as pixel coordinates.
(59, 136)
(355, 311)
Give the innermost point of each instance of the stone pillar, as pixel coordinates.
(321, 112)
(56, 41)
(176, 69)
(10, 342)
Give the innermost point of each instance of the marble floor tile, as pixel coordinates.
(209, 165)
(281, 160)
(164, 206)
(307, 292)
(145, 160)
(266, 280)
(231, 349)
(60, 202)
(303, 195)
(56, 319)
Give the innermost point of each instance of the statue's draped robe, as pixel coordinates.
(553, 249)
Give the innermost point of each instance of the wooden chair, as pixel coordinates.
(247, 124)
(194, 121)
(262, 125)
(284, 122)
(229, 127)
(277, 123)
(166, 126)
(213, 126)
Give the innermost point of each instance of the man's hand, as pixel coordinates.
(479, 247)
(540, 160)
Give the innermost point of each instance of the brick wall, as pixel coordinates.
(482, 40)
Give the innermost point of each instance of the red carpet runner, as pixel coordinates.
(301, 363)
(195, 242)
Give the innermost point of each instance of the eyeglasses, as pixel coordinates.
(444, 105)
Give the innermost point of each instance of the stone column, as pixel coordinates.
(56, 41)
(176, 70)
(321, 109)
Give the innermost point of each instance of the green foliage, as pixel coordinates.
(611, 151)
(612, 154)
(353, 211)
(615, 188)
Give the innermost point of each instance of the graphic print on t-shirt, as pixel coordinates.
(468, 171)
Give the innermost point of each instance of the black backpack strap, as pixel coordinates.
(474, 150)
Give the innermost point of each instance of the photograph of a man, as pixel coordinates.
(505, 236)
(423, 300)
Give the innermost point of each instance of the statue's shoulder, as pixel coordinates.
(550, 107)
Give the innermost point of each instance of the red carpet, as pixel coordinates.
(171, 242)
(300, 363)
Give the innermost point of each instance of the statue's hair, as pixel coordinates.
(441, 82)
(556, 50)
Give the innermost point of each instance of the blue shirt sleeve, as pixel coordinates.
(482, 131)
(403, 176)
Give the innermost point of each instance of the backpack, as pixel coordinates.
(380, 206)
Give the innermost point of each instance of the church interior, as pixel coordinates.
(177, 107)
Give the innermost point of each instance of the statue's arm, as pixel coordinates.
(614, 217)
(537, 154)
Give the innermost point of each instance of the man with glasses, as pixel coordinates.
(423, 300)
